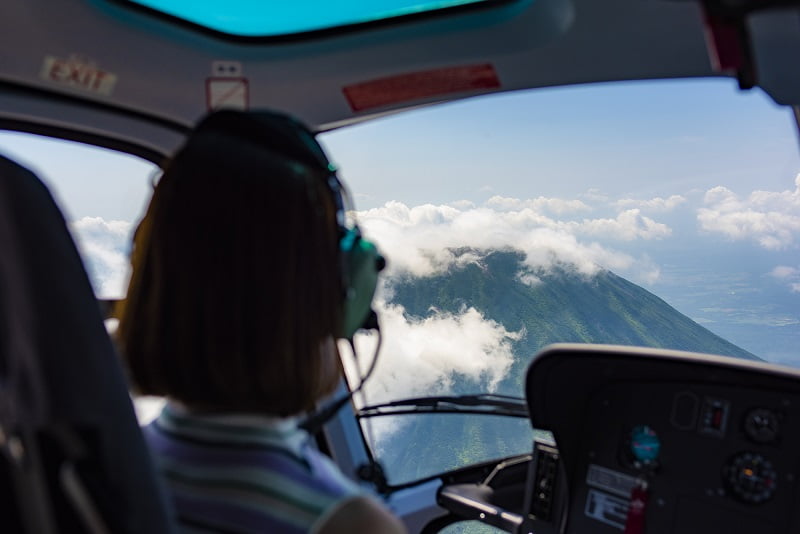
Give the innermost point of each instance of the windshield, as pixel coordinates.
(662, 214)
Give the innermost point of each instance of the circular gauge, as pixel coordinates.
(645, 445)
(751, 477)
(761, 425)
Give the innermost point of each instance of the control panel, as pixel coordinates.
(666, 447)
(667, 443)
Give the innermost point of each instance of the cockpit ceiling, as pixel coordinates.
(104, 53)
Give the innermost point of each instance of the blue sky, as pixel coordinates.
(633, 139)
(686, 187)
(87, 181)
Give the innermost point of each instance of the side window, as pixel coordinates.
(101, 193)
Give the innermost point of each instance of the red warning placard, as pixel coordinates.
(418, 85)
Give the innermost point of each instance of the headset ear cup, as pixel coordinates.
(361, 264)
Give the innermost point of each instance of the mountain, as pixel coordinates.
(559, 305)
(562, 306)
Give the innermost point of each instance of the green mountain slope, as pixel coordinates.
(561, 307)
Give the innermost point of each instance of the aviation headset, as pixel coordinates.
(288, 139)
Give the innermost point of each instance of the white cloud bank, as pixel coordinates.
(104, 246)
(420, 240)
(790, 275)
(770, 218)
(627, 226)
(557, 206)
(657, 204)
(424, 357)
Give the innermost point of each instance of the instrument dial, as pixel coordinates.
(645, 446)
(750, 477)
(761, 425)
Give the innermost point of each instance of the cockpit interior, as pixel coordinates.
(519, 384)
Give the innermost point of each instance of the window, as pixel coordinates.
(249, 18)
(102, 194)
(663, 214)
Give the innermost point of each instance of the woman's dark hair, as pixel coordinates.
(236, 293)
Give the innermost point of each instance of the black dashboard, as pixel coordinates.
(649, 441)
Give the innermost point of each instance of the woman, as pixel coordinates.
(235, 299)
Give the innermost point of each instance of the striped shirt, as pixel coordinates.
(244, 474)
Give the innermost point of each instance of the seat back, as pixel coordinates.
(72, 458)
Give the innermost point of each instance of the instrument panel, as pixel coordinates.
(651, 441)
(726, 455)
(666, 442)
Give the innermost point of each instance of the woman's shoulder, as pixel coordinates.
(207, 459)
(241, 439)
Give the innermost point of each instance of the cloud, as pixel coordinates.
(770, 218)
(462, 204)
(784, 271)
(429, 239)
(529, 279)
(654, 204)
(422, 240)
(790, 275)
(557, 206)
(104, 246)
(595, 195)
(423, 357)
(627, 226)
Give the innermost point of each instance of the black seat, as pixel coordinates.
(72, 458)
